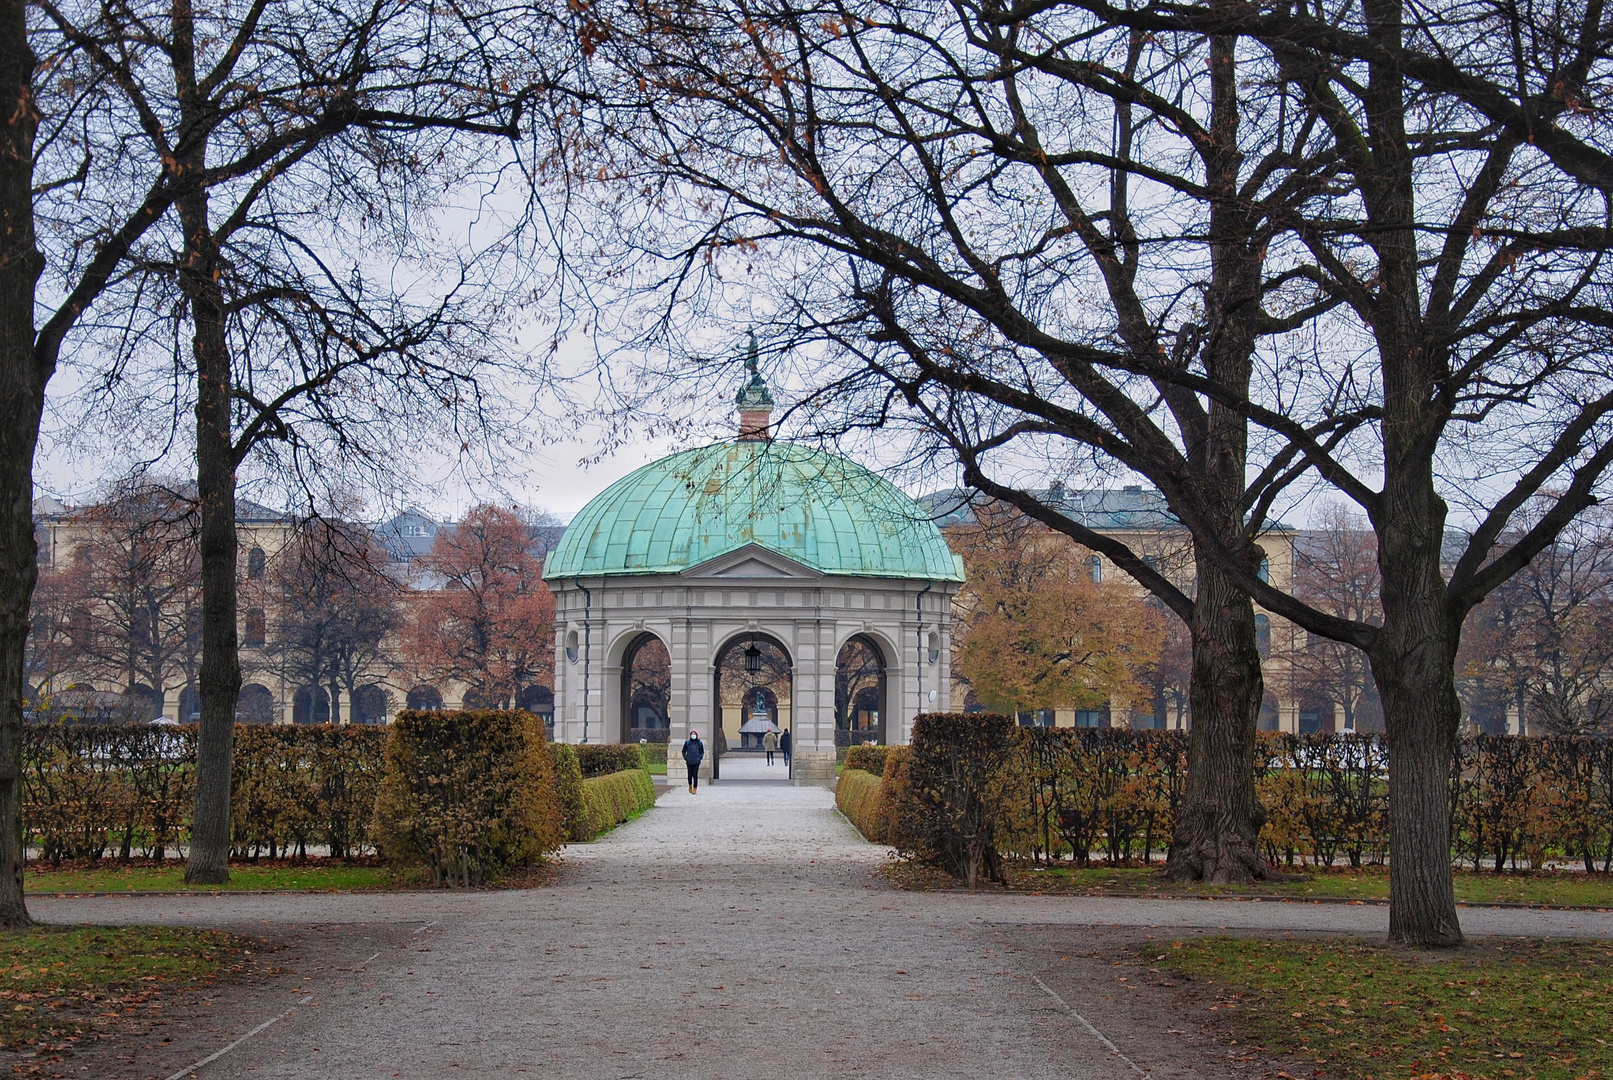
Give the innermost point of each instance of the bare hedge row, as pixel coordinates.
(468, 795)
(1067, 793)
(91, 791)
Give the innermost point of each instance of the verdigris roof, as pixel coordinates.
(816, 508)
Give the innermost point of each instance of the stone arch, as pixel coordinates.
(311, 705)
(424, 699)
(371, 705)
(255, 705)
(190, 704)
(776, 673)
(862, 691)
(646, 697)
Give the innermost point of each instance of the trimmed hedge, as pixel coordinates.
(603, 759)
(1067, 793)
(90, 790)
(295, 786)
(858, 795)
(869, 758)
(468, 794)
(568, 790)
(613, 799)
(956, 793)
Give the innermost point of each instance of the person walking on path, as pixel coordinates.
(770, 744)
(784, 745)
(694, 752)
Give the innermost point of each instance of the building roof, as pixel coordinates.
(815, 508)
(1099, 509)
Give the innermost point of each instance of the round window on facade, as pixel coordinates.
(935, 648)
(571, 646)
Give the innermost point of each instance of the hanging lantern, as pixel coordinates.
(753, 658)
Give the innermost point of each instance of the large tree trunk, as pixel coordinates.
(220, 677)
(22, 401)
(1414, 663)
(1217, 825)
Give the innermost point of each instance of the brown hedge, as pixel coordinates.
(602, 759)
(90, 791)
(468, 794)
(948, 812)
(613, 799)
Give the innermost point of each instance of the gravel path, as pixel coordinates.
(744, 932)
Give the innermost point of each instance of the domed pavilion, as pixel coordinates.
(757, 585)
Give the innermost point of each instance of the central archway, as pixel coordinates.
(752, 679)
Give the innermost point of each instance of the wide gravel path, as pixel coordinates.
(744, 933)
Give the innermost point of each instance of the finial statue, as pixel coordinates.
(754, 399)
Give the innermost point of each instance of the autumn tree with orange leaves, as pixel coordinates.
(1039, 633)
(490, 625)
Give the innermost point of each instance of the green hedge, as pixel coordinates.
(859, 797)
(603, 759)
(654, 753)
(870, 759)
(468, 794)
(568, 790)
(613, 799)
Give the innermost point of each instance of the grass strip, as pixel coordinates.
(56, 982)
(170, 877)
(1554, 887)
(1519, 1010)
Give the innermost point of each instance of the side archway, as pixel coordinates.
(862, 709)
(424, 699)
(255, 705)
(646, 690)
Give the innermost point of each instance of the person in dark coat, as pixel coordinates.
(694, 752)
(784, 746)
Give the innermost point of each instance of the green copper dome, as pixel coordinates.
(818, 509)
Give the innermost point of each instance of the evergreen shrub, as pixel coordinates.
(469, 794)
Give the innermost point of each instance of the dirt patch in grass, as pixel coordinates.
(60, 985)
(1513, 1010)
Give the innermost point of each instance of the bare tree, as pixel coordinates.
(1336, 571)
(1139, 230)
(1544, 639)
(1016, 230)
(302, 196)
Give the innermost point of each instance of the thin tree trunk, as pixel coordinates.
(1217, 827)
(22, 401)
(220, 676)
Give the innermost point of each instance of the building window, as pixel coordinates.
(256, 628)
(255, 561)
(1036, 718)
(1263, 635)
(1090, 718)
(1096, 565)
(1264, 574)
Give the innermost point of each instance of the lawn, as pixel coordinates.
(57, 981)
(170, 877)
(1564, 887)
(1521, 1009)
